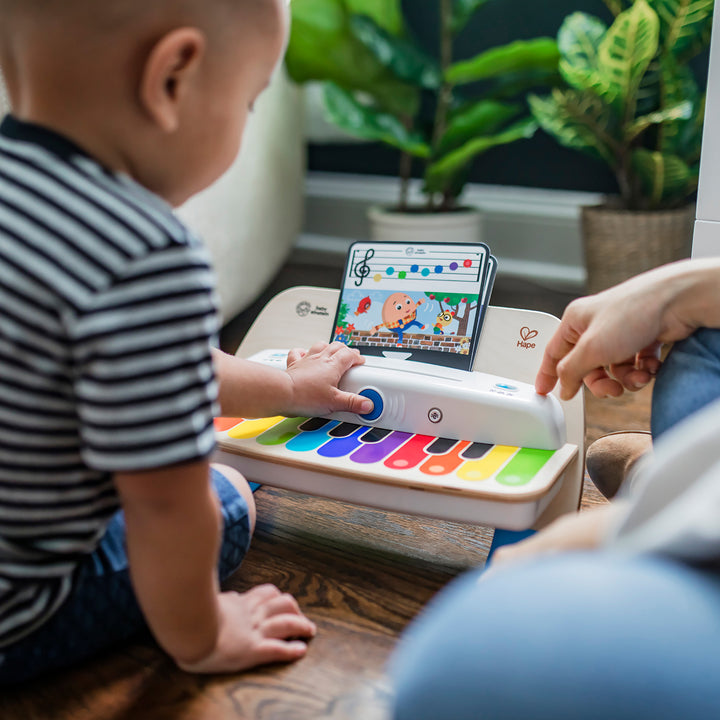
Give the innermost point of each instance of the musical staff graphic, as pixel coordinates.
(465, 266)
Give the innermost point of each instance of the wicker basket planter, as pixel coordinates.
(622, 243)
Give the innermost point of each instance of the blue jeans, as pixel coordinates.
(579, 635)
(688, 380)
(102, 611)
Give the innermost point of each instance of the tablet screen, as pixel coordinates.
(424, 301)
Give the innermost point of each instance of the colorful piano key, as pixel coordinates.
(523, 467)
(312, 440)
(282, 432)
(376, 452)
(222, 423)
(351, 445)
(446, 463)
(252, 428)
(488, 465)
(341, 446)
(412, 453)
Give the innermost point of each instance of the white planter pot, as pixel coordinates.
(458, 226)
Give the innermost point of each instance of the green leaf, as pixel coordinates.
(680, 136)
(579, 38)
(386, 13)
(617, 6)
(403, 58)
(462, 11)
(510, 86)
(365, 122)
(480, 118)
(688, 142)
(626, 51)
(681, 111)
(685, 26)
(663, 178)
(344, 60)
(580, 121)
(648, 96)
(541, 53)
(440, 174)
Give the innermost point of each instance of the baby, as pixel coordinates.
(111, 517)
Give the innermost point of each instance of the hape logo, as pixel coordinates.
(526, 334)
(303, 308)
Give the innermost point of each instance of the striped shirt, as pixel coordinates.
(107, 317)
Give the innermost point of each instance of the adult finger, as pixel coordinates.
(630, 377)
(602, 385)
(557, 348)
(586, 357)
(649, 358)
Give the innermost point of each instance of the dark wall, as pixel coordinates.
(538, 162)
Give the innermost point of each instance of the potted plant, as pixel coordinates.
(632, 102)
(375, 77)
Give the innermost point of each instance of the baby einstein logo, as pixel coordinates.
(303, 308)
(526, 334)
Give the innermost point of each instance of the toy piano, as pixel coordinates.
(452, 473)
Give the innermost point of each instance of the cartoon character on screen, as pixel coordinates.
(444, 318)
(399, 313)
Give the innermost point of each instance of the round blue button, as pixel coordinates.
(378, 404)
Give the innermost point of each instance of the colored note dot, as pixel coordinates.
(438, 269)
(390, 271)
(467, 263)
(453, 266)
(402, 274)
(425, 272)
(414, 268)
(377, 277)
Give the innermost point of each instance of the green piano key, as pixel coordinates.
(526, 464)
(282, 432)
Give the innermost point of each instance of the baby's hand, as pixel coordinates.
(256, 627)
(315, 374)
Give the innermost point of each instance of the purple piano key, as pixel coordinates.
(375, 452)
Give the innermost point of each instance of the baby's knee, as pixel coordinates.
(237, 479)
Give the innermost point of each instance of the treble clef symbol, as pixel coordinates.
(362, 269)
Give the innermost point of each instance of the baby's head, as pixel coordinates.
(159, 89)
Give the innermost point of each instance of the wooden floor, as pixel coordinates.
(360, 574)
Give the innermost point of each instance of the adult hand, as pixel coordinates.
(575, 531)
(315, 374)
(612, 340)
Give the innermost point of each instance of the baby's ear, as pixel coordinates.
(170, 71)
